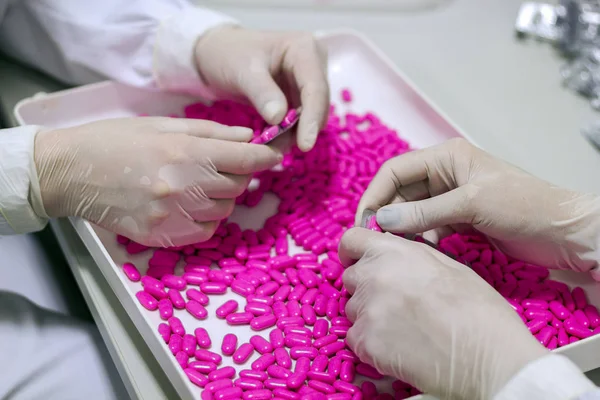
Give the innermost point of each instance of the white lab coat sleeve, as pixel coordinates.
(144, 43)
(21, 208)
(552, 377)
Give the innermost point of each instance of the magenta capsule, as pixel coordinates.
(173, 282)
(258, 309)
(593, 316)
(276, 338)
(282, 358)
(146, 300)
(278, 277)
(215, 386)
(263, 362)
(536, 325)
(255, 375)
(262, 394)
(222, 373)
(196, 309)
(295, 340)
(297, 292)
(176, 299)
(308, 278)
(195, 278)
(282, 262)
(202, 338)
(295, 380)
(198, 296)
(188, 344)
(545, 335)
(368, 371)
(293, 307)
(278, 372)
(213, 287)
(176, 326)
(229, 344)
(243, 353)
(574, 329)
(304, 351)
(229, 307)
(559, 310)
(332, 348)
(241, 318)
(165, 332)
(292, 275)
(321, 328)
(248, 384)
(319, 364)
(335, 366)
(579, 316)
(309, 297)
(282, 293)
(267, 289)
(321, 376)
(273, 383)
(175, 343)
(228, 393)
(263, 322)
(302, 365)
(260, 299)
(281, 246)
(579, 297)
(346, 387)
(261, 344)
(196, 377)
(343, 396)
(325, 340)
(538, 313)
(206, 355)
(321, 387)
(563, 337)
(347, 372)
(131, 272)
(332, 309)
(285, 394)
(259, 265)
(280, 310)
(206, 367)
(339, 331)
(165, 308)
(290, 321)
(329, 291)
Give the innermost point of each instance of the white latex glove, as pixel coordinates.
(457, 183)
(159, 181)
(422, 317)
(273, 70)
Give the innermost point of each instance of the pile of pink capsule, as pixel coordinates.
(555, 314)
(296, 293)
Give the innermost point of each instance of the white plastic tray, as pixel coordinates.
(354, 63)
(362, 5)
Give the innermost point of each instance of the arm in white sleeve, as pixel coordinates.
(144, 43)
(552, 377)
(21, 208)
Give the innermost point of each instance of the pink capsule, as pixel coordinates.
(196, 309)
(369, 390)
(278, 277)
(189, 344)
(285, 394)
(321, 376)
(332, 348)
(579, 316)
(297, 352)
(346, 387)
(243, 353)
(176, 299)
(198, 296)
(282, 358)
(260, 299)
(204, 367)
(182, 359)
(229, 344)
(175, 343)
(559, 310)
(536, 325)
(293, 307)
(308, 278)
(278, 372)
(282, 262)
(309, 297)
(329, 291)
(538, 313)
(176, 326)
(196, 377)
(296, 380)
(263, 322)
(321, 387)
(290, 321)
(255, 375)
(165, 308)
(262, 394)
(368, 371)
(593, 316)
(165, 332)
(574, 329)
(229, 307)
(195, 278)
(325, 340)
(295, 340)
(146, 300)
(131, 272)
(282, 293)
(302, 365)
(213, 287)
(206, 355)
(273, 383)
(545, 335)
(579, 297)
(221, 384)
(173, 282)
(281, 246)
(263, 362)
(202, 338)
(297, 292)
(261, 344)
(292, 275)
(222, 373)
(335, 366)
(321, 328)
(240, 318)
(248, 384)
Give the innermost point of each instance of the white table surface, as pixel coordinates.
(505, 94)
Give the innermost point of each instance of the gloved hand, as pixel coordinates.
(159, 181)
(424, 318)
(270, 70)
(456, 183)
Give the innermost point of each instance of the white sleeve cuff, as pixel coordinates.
(19, 188)
(174, 64)
(552, 377)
